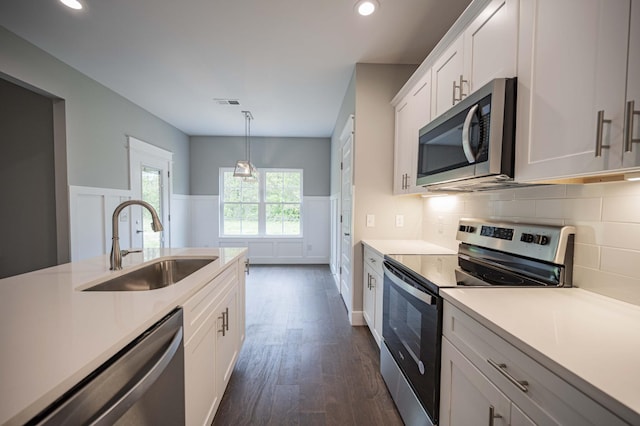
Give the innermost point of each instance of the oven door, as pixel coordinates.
(412, 329)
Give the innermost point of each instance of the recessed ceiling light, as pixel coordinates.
(73, 4)
(366, 7)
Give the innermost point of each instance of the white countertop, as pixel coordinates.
(53, 335)
(591, 341)
(406, 247)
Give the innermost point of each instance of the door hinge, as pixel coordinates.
(341, 165)
(168, 174)
(340, 218)
(169, 218)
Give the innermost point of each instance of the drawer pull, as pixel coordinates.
(493, 415)
(599, 133)
(502, 368)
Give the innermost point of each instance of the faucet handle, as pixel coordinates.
(126, 252)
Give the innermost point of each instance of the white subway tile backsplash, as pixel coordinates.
(542, 191)
(621, 235)
(608, 284)
(620, 261)
(606, 217)
(514, 208)
(621, 209)
(587, 255)
(550, 209)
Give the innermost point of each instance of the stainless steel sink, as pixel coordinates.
(155, 275)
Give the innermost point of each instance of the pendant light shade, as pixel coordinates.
(245, 168)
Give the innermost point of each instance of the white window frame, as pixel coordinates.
(262, 203)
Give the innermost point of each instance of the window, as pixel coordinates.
(269, 206)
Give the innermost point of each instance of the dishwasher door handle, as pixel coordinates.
(129, 396)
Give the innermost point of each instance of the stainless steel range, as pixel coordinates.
(490, 254)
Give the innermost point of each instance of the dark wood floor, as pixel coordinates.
(302, 363)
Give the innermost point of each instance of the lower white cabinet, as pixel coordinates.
(487, 381)
(468, 397)
(213, 335)
(372, 292)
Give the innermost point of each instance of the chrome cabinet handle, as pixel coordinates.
(493, 415)
(599, 131)
(502, 368)
(368, 281)
(629, 114)
(225, 326)
(466, 139)
(372, 260)
(226, 313)
(246, 266)
(459, 87)
(453, 96)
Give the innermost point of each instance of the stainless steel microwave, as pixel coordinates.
(472, 144)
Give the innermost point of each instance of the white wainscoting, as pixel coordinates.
(180, 220)
(194, 223)
(90, 212)
(312, 248)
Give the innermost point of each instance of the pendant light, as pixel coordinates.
(244, 168)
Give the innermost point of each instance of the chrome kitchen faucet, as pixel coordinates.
(116, 253)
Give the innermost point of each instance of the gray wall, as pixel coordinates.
(209, 153)
(97, 119)
(29, 209)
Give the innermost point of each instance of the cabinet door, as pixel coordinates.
(490, 44)
(227, 338)
(518, 418)
(402, 155)
(447, 73)
(632, 159)
(201, 395)
(467, 397)
(572, 61)
(369, 297)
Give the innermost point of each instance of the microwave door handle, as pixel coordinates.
(466, 135)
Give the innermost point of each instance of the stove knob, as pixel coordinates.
(543, 240)
(527, 238)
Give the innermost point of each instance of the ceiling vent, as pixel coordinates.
(220, 101)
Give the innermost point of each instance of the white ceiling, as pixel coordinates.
(287, 61)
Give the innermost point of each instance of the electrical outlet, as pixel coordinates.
(399, 221)
(371, 221)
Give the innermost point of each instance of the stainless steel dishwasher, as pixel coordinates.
(143, 384)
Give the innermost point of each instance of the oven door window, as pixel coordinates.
(412, 330)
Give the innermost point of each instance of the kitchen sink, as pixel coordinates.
(159, 274)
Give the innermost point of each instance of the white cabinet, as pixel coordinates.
(572, 64)
(467, 396)
(372, 292)
(481, 370)
(487, 49)
(213, 334)
(412, 112)
(631, 155)
(449, 85)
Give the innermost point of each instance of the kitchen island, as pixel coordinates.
(54, 334)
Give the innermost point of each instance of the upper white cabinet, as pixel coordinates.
(413, 112)
(449, 85)
(487, 49)
(572, 77)
(632, 126)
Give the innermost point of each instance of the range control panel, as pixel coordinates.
(544, 242)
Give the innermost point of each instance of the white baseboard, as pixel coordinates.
(357, 318)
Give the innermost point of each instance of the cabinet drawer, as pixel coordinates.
(373, 259)
(545, 395)
(200, 305)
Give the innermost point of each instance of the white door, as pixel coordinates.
(150, 169)
(346, 207)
